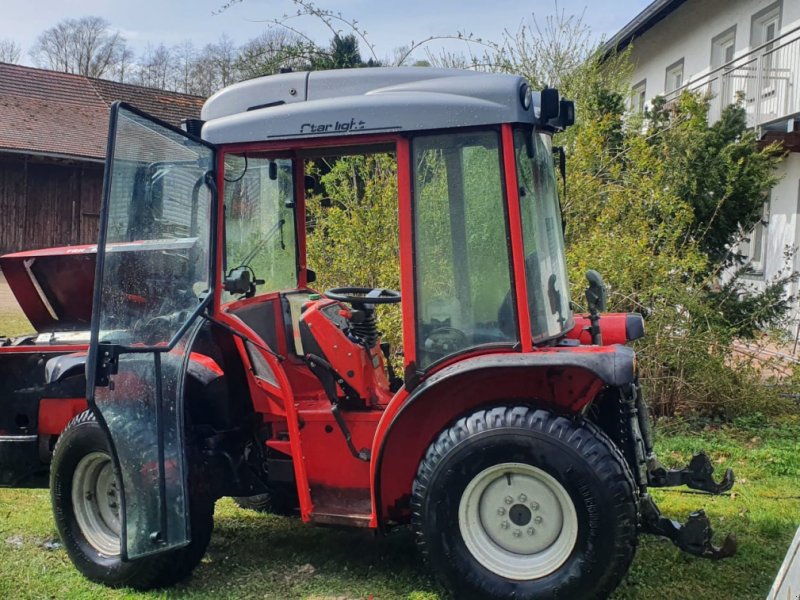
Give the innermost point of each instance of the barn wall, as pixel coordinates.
(44, 204)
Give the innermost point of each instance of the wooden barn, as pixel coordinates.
(53, 129)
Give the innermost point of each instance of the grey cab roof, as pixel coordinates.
(360, 101)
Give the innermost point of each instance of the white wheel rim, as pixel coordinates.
(95, 500)
(518, 521)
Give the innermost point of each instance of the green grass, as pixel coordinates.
(14, 323)
(254, 555)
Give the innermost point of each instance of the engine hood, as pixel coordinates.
(55, 286)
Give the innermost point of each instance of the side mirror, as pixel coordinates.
(596, 292)
(239, 281)
(566, 113)
(549, 106)
(311, 275)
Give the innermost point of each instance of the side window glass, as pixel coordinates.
(463, 271)
(260, 220)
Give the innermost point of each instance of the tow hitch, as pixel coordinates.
(697, 475)
(693, 537)
(696, 534)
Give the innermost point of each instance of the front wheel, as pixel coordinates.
(85, 493)
(515, 502)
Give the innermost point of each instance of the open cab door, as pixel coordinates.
(153, 279)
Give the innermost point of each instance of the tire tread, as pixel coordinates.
(583, 436)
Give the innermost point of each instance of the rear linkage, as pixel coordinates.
(694, 536)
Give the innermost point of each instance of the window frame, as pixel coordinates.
(719, 45)
(297, 227)
(756, 243)
(507, 346)
(669, 73)
(762, 19)
(639, 97)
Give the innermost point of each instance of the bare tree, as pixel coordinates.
(156, 67)
(85, 46)
(215, 67)
(271, 51)
(344, 28)
(184, 58)
(223, 58)
(124, 69)
(10, 51)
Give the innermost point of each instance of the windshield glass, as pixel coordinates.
(462, 264)
(545, 265)
(259, 220)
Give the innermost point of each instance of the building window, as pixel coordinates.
(639, 96)
(723, 47)
(765, 25)
(674, 77)
(754, 246)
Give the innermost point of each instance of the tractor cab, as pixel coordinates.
(231, 355)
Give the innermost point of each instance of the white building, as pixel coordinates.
(732, 49)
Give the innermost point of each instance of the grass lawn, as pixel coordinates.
(13, 323)
(261, 556)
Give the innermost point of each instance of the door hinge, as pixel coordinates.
(107, 364)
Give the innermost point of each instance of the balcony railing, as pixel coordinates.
(766, 81)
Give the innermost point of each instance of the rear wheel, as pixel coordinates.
(516, 502)
(85, 494)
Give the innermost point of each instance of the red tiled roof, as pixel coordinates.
(59, 113)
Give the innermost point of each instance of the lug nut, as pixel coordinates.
(531, 531)
(505, 525)
(523, 498)
(501, 511)
(509, 500)
(538, 520)
(534, 506)
(517, 533)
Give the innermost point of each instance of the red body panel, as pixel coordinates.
(362, 368)
(613, 326)
(55, 413)
(517, 246)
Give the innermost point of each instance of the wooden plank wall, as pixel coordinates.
(45, 204)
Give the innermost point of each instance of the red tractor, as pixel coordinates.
(515, 441)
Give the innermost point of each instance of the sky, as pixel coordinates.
(389, 24)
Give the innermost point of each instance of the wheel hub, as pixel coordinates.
(96, 503)
(520, 515)
(518, 521)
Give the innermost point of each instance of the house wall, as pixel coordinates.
(687, 34)
(783, 229)
(45, 204)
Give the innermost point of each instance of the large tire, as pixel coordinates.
(90, 531)
(515, 502)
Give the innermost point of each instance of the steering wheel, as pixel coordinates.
(363, 295)
(444, 340)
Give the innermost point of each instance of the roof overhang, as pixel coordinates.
(71, 158)
(650, 16)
